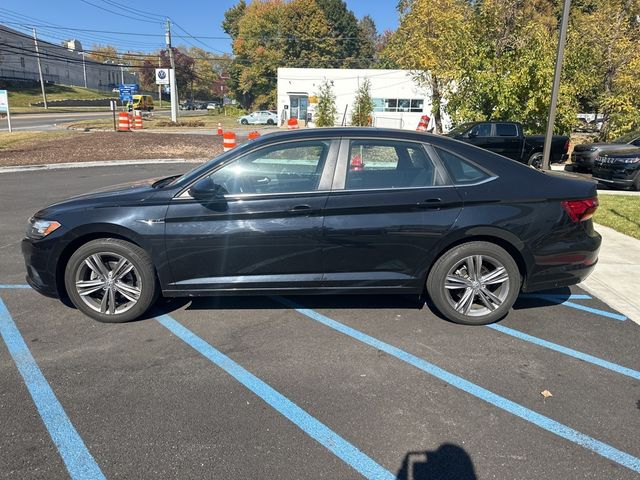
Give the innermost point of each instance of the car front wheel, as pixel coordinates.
(244, 121)
(475, 283)
(111, 280)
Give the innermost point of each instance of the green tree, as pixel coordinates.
(431, 37)
(326, 110)
(362, 105)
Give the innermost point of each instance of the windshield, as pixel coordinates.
(463, 127)
(627, 137)
(195, 173)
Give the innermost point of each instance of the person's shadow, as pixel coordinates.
(448, 462)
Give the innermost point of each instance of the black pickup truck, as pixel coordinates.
(508, 139)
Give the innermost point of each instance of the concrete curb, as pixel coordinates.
(105, 163)
(614, 279)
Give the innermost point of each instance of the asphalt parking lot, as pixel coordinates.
(305, 387)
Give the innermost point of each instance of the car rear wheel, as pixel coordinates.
(111, 280)
(535, 160)
(270, 122)
(475, 283)
(244, 121)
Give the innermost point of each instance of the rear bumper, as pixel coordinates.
(622, 183)
(555, 267)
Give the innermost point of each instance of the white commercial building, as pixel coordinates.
(399, 101)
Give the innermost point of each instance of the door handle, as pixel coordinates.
(430, 203)
(301, 208)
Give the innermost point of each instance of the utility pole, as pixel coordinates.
(84, 70)
(172, 75)
(35, 42)
(160, 86)
(556, 85)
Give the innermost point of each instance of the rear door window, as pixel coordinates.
(383, 164)
(481, 130)
(506, 130)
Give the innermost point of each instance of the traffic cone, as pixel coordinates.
(253, 135)
(423, 124)
(137, 121)
(219, 128)
(292, 124)
(356, 163)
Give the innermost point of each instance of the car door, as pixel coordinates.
(389, 207)
(507, 140)
(264, 230)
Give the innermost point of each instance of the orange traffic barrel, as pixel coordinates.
(423, 124)
(228, 141)
(123, 122)
(292, 124)
(137, 121)
(219, 128)
(253, 135)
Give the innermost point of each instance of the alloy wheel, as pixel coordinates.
(477, 285)
(108, 283)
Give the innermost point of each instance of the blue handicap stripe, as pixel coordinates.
(77, 459)
(310, 425)
(563, 300)
(477, 391)
(14, 286)
(614, 367)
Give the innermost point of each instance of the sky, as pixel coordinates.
(197, 18)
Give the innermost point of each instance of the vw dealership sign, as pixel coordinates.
(162, 76)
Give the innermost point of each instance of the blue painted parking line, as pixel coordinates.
(614, 367)
(563, 300)
(477, 391)
(309, 424)
(77, 459)
(14, 286)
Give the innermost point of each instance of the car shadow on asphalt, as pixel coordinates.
(447, 462)
(165, 306)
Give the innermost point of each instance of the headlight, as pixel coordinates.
(630, 160)
(40, 228)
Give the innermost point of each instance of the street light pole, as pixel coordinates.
(84, 70)
(556, 85)
(35, 43)
(172, 75)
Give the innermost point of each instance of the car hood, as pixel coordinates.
(633, 152)
(124, 193)
(603, 147)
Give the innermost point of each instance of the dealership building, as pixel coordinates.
(62, 64)
(399, 101)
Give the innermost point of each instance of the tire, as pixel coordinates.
(535, 161)
(244, 121)
(452, 279)
(107, 296)
(636, 183)
(270, 122)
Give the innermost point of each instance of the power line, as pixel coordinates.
(120, 14)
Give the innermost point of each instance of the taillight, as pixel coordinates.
(580, 210)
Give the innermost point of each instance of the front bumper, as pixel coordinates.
(41, 269)
(616, 175)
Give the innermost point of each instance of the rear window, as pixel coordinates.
(461, 171)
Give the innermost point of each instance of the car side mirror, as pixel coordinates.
(206, 189)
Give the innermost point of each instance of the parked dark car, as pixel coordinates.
(584, 155)
(508, 139)
(344, 210)
(618, 168)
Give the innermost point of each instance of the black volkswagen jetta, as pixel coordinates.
(346, 210)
